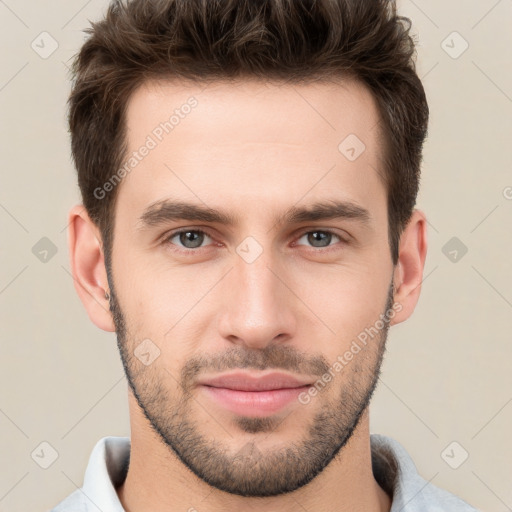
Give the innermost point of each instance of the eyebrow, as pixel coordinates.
(168, 210)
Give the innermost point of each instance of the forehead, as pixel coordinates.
(260, 109)
(270, 137)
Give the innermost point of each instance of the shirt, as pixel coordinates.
(392, 467)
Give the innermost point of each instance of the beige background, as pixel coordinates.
(447, 376)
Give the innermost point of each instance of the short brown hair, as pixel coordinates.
(207, 40)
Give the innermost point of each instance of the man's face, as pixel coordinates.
(280, 288)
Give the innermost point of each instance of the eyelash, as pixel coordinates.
(167, 239)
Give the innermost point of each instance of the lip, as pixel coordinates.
(245, 381)
(254, 395)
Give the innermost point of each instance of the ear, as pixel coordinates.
(88, 267)
(408, 273)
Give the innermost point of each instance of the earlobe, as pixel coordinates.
(88, 267)
(409, 270)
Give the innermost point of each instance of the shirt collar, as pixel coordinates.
(107, 469)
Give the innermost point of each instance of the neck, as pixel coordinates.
(158, 481)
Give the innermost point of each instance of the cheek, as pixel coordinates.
(346, 299)
(143, 295)
(168, 304)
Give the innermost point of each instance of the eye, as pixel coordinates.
(319, 238)
(188, 238)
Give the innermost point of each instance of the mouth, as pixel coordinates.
(254, 395)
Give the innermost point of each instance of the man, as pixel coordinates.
(249, 172)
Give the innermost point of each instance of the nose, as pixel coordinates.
(258, 309)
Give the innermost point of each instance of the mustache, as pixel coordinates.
(272, 357)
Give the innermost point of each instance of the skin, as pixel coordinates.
(252, 150)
